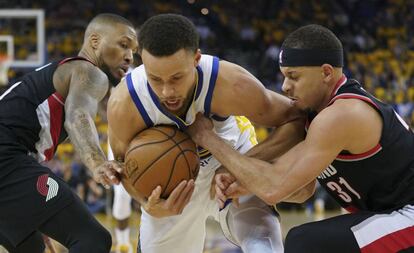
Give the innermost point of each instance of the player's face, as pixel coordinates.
(172, 78)
(304, 86)
(116, 51)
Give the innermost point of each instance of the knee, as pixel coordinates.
(33, 243)
(98, 240)
(300, 239)
(102, 241)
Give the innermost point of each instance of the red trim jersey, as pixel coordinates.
(32, 112)
(380, 179)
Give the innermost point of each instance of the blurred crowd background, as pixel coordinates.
(377, 38)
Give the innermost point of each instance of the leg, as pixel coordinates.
(184, 233)
(121, 211)
(76, 229)
(330, 235)
(33, 243)
(253, 226)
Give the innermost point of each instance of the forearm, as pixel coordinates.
(252, 173)
(279, 141)
(303, 194)
(84, 136)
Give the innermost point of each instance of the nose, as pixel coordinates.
(286, 87)
(129, 56)
(168, 91)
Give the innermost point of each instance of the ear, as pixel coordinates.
(94, 40)
(197, 57)
(327, 73)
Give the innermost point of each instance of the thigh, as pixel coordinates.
(29, 195)
(184, 233)
(33, 243)
(77, 229)
(327, 236)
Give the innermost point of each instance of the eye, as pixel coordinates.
(156, 80)
(176, 78)
(124, 45)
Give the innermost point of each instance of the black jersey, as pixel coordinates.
(382, 178)
(32, 112)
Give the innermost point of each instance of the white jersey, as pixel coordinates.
(185, 233)
(230, 129)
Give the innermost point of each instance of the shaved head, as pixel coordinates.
(99, 23)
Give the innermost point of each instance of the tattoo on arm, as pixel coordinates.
(87, 88)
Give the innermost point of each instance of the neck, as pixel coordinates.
(90, 55)
(329, 92)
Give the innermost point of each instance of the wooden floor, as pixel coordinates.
(215, 242)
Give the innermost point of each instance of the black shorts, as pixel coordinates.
(29, 194)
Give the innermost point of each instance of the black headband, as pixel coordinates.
(293, 57)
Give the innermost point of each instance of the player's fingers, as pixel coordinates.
(111, 174)
(176, 193)
(187, 199)
(155, 196)
(232, 190)
(104, 180)
(227, 179)
(221, 182)
(183, 196)
(219, 193)
(221, 199)
(118, 166)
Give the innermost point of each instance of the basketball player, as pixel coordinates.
(174, 83)
(57, 100)
(357, 147)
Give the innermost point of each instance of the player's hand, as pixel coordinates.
(174, 205)
(49, 245)
(201, 127)
(108, 173)
(227, 187)
(221, 169)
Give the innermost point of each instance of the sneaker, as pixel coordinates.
(124, 248)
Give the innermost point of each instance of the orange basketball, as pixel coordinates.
(161, 155)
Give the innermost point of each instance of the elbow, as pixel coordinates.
(306, 194)
(269, 198)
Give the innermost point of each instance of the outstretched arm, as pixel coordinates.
(88, 86)
(329, 133)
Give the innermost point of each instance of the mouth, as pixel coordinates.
(293, 100)
(123, 70)
(172, 104)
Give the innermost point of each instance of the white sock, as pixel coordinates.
(122, 236)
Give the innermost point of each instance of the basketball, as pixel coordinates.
(161, 155)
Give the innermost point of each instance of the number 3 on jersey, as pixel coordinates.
(343, 189)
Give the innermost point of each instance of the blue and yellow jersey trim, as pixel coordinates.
(244, 125)
(182, 124)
